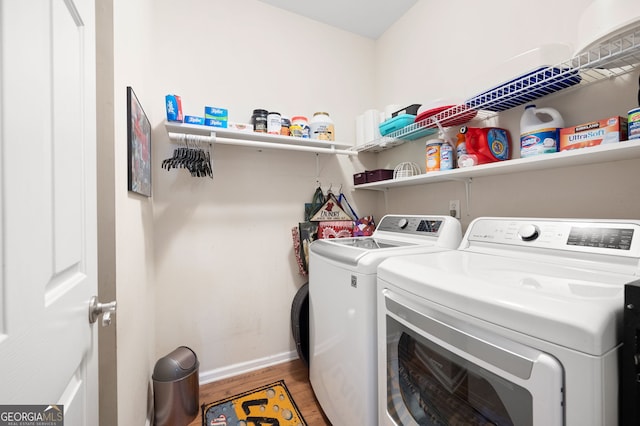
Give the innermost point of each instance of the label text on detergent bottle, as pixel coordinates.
(499, 143)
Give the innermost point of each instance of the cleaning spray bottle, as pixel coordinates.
(461, 147)
(539, 131)
(447, 155)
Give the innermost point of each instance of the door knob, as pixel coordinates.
(105, 309)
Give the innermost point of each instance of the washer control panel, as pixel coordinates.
(596, 236)
(416, 225)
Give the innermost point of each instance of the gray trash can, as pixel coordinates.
(176, 393)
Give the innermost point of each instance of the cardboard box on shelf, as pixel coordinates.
(608, 130)
(192, 119)
(216, 117)
(173, 105)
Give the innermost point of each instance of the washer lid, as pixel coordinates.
(369, 243)
(574, 307)
(351, 250)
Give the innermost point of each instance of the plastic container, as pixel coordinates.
(176, 393)
(410, 109)
(259, 120)
(299, 127)
(539, 131)
(378, 175)
(396, 123)
(526, 88)
(467, 160)
(321, 127)
(285, 123)
(446, 156)
(433, 154)
(360, 178)
(274, 123)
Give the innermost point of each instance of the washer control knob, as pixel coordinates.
(528, 232)
(402, 223)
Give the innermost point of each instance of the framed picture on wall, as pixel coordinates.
(139, 149)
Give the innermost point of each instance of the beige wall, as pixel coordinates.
(225, 268)
(106, 208)
(133, 223)
(470, 44)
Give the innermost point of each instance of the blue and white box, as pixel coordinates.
(216, 117)
(173, 105)
(193, 119)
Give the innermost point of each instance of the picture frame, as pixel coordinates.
(139, 146)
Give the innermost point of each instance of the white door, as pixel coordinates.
(48, 349)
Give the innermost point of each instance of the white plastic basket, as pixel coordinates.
(405, 170)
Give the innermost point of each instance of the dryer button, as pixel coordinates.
(528, 232)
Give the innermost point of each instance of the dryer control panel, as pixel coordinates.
(614, 237)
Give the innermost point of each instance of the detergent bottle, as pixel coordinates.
(485, 145)
(539, 131)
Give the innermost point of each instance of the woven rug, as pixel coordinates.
(269, 405)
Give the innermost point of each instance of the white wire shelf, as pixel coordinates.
(614, 57)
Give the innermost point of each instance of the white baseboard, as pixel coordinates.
(245, 367)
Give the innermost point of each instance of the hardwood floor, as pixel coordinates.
(295, 375)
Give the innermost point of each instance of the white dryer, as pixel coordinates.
(342, 309)
(520, 326)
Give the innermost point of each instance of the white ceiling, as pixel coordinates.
(368, 18)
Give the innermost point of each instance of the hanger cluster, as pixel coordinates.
(193, 158)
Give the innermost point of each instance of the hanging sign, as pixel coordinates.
(330, 211)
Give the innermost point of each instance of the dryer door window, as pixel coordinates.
(432, 381)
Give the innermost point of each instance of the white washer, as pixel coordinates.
(342, 309)
(522, 325)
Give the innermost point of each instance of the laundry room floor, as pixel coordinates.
(295, 375)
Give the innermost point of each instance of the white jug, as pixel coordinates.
(539, 131)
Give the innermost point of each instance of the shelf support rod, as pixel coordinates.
(386, 199)
(270, 145)
(467, 190)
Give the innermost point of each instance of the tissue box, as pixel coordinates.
(192, 119)
(216, 117)
(174, 108)
(609, 130)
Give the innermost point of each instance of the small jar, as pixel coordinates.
(259, 120)
(299, 127)
(273, 123)
(321, 127)
(285, 123)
